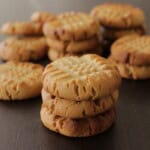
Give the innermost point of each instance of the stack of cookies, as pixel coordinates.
(28, 43)
(72, 34)
(119, 20)
(131, 55)
(80, 95)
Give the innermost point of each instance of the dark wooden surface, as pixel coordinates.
(20, 125)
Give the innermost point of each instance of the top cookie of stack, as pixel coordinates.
(72, 34)
(119, 20)
(23, 47)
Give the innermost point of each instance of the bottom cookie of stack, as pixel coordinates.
(133, 71)
(78, 127)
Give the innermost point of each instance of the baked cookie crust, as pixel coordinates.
(19, 81)
(77, 127)
(71, 26)
(79, 109)
(22, 28)
(23, 48)
(117, 15)
(133, 50)
(81, 78)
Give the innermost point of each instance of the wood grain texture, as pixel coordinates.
(21, 128)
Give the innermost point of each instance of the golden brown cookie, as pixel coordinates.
(42, 16)
(78, 109)
(20, 81)
(88, 77)
(77, 127)
(113, 34)
(71, 26)
(23, 48)
(133, 50)
(22, 28)
(117, 15)
(74, 46)
(132, 71)
(55, 54)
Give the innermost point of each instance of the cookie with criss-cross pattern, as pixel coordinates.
(133, 50)
(117, 15)
(71, 26)
(22, 28)
(23, 48)
(79, 95)
(81, 78)
(20, 81)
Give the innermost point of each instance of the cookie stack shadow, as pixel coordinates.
(72, 34)
(80, 95)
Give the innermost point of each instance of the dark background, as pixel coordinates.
(20, 125)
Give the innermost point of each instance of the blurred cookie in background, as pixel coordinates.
(42, 16)
(72, 33)
(22, 28)
(118, 20)
(23, 48)
(131, 55)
